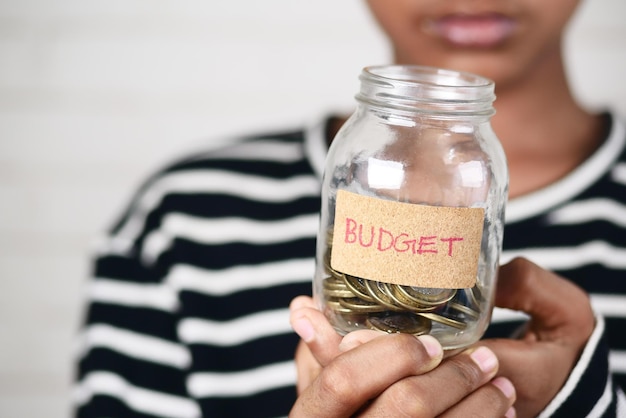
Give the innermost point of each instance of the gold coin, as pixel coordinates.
(464, 309)
(338, 293)
(361, 306)
(357, 287)
(443, 320)
(379, 291)
(333, 283)
(337, 308)
(400, 322)
(475, 295)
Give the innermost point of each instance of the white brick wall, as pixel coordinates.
(95, 94)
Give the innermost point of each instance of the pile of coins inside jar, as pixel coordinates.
(396, 308)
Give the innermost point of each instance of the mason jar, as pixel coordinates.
(413, 200)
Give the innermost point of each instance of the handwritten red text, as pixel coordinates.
(382, 239)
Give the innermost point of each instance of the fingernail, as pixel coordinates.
(432, 346)
(485, 359)
(505, 386)
(303, 327)
(510, 413)
(297, 303)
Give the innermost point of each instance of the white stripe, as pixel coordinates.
(572, 257)
(617, 361)
(236, 331)
(577, 372)
(590, 210)
(604, 402)
(140, 295)
(500, 315)
(226, 230)
(214, 181)
(621, 403)
(244, 383)
(585, 174)
(257, 150)
(236, 279)
(609, 305)
(132, 344)
(619, 173)
(139, 399)
(605, 305)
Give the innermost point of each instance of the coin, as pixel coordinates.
(427, 296)
(380, 293)
(443, 320)
(357, 286)
(406, 303)
(338, 293)
(397, 308)
(463, 309)
(400, 322)
(337, 308)
(361, 306)
(332, 283)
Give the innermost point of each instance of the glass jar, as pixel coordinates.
(413, 201)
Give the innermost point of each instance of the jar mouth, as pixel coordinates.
(423, 88)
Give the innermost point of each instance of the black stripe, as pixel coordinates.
(268, 404)
(222, 256)
(140, 373)
(245, 302)
(211, 206)
(250, 355)
(146, 321)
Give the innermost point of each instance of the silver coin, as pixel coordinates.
(427, 296)
(407, 303)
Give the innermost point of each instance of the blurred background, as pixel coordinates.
(95, 95)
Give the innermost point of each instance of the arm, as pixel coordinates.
(130, 360)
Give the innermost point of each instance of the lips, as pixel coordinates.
(474, 31)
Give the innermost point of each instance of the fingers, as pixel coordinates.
(311, 325)
(552, 302)
(307, 367)
(355, 377)
(489, 400)
(538, 370)
(561, 321)
(373, 374)
(458, 387)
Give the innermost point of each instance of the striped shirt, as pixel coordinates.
(188, 308)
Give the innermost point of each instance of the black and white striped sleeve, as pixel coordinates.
(130, 362)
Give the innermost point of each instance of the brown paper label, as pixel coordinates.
(406, 244)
